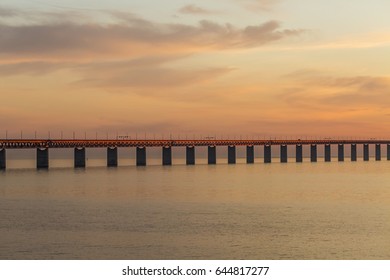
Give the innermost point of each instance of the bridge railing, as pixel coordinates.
(53, 143)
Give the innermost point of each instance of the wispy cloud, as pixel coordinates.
(258, 5)
(321, 90)
(145, 73)
(31, 68)
(7, 12)
(194, 9)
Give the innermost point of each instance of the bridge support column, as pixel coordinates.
(378, 155)
(353, 152)
(2, 159)
(250, 154)
(167, 155)
(313, 153)
(283, 153)
(366, 152)
(79, 157)
(341, 152)
(112, 157)
(231, 154)
(298, 153)
(328, 155)
(212, 155)
(267, 154)
(140, 156)
(42, 158)
(388, 151)
(190, 155)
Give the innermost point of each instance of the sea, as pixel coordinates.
(278, 211)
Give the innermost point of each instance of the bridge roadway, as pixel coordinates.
(77, 143)
(43, 146)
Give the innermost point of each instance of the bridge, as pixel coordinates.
(42, 147)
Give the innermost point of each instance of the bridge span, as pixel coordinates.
(42, 147)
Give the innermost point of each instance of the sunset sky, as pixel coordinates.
(283, 68)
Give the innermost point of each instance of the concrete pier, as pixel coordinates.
(140, 156)
(340, 152)
(167, 156)
(328, 155)
(79, 157)
(378, 155)
(231, 154)
(42, 147)
(283, 153)
(42, 158)
(366, 152)
(388, 151)
(298, 153)
(2, 159)
(112, 157)
(190, 155)
(250, 154)
(212, 155)
(353, 152)
(313, 153)
(267, 154)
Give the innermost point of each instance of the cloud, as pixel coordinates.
(130, 36)
(324, 90)
(361, 83)
(359, 91)
(31, 68)
(258, 5)
(193, 9)
(14, 16)
(145, 73)
(266, 32)
(7, 12)
(141, 73)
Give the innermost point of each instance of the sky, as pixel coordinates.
(225, 68)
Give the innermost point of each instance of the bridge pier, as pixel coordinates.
(353, 152)
(190, 155)
(366, 152)
(378, 155)
(298, 153)
(42, 158)
(250, 154)
(231, 154)
(112, 157)
(283, 153)
(341, 152)
(167, 155)
(2, 159)
(328, 155)
(313, 153)
(212, 155)
(388, 151)
(267, 154)
(79, 157)
(140, 156)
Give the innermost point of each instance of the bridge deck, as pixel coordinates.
(55, 143)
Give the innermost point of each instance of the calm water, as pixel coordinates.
(275, 211)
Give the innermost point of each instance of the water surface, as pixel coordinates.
(260, 211)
